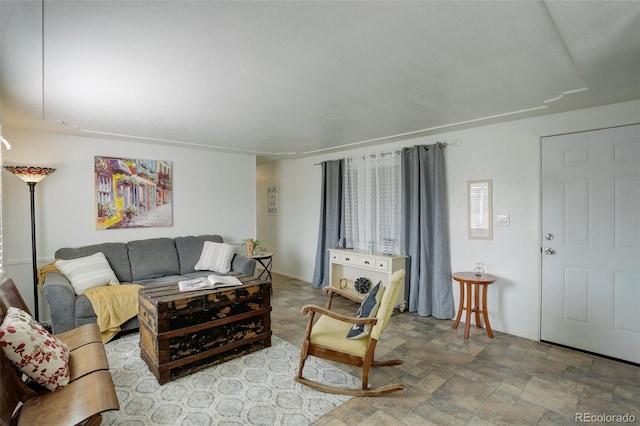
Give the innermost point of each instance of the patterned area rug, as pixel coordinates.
(255, 389)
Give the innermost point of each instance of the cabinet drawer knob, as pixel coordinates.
(347, 259)
(366, 262)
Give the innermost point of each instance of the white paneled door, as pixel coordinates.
(591, 241)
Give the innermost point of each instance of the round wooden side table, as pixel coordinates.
(469, 280)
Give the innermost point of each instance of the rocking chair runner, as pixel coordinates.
(327, 338)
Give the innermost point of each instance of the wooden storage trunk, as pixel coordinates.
(182, 332)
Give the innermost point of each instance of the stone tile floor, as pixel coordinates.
(507, 380)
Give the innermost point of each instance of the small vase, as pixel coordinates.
(250, 247)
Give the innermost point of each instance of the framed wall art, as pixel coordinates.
(272, 200)
(132, 193)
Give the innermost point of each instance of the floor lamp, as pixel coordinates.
(32, 175)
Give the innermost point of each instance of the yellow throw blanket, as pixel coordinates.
(114, 305)
(43, 271)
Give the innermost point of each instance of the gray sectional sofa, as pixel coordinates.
(150, 262)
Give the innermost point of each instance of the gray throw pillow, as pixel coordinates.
(368, 308)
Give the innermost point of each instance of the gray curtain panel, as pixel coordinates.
(425, 231)
(331, 218)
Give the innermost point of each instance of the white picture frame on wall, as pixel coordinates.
(272, 200)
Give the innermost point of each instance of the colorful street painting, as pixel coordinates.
(133, 193)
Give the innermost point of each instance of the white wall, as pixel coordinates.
(266, 225)
(293, 233)
(213, 193)
(507, 153)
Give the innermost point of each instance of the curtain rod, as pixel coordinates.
(457, 143)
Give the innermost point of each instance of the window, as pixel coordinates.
(479, 205)
(372, 202)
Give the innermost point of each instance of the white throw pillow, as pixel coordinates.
(215, 257)
(33, 350)
(88, 272)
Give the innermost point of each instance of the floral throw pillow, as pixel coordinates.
(33, 350)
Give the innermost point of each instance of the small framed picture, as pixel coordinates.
(272, 200)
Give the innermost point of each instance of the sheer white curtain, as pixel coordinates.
(372, 202)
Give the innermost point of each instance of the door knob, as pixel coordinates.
(549, 250)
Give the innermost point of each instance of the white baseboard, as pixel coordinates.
(295, 277)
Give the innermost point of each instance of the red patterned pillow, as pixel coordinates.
(33, 350)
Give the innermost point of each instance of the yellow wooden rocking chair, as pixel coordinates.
(327, 338)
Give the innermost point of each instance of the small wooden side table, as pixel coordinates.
(469, 279)
(265, 259)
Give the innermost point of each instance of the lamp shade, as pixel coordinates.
(30, 173)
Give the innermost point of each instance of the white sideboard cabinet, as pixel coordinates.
(348, 265)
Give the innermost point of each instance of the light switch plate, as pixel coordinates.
(502, 219)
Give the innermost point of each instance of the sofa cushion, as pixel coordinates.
(189, 249)
(160, 281)
(116, 254)
(87, 272)
(152, 258)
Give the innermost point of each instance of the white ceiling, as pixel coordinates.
(288, 79)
